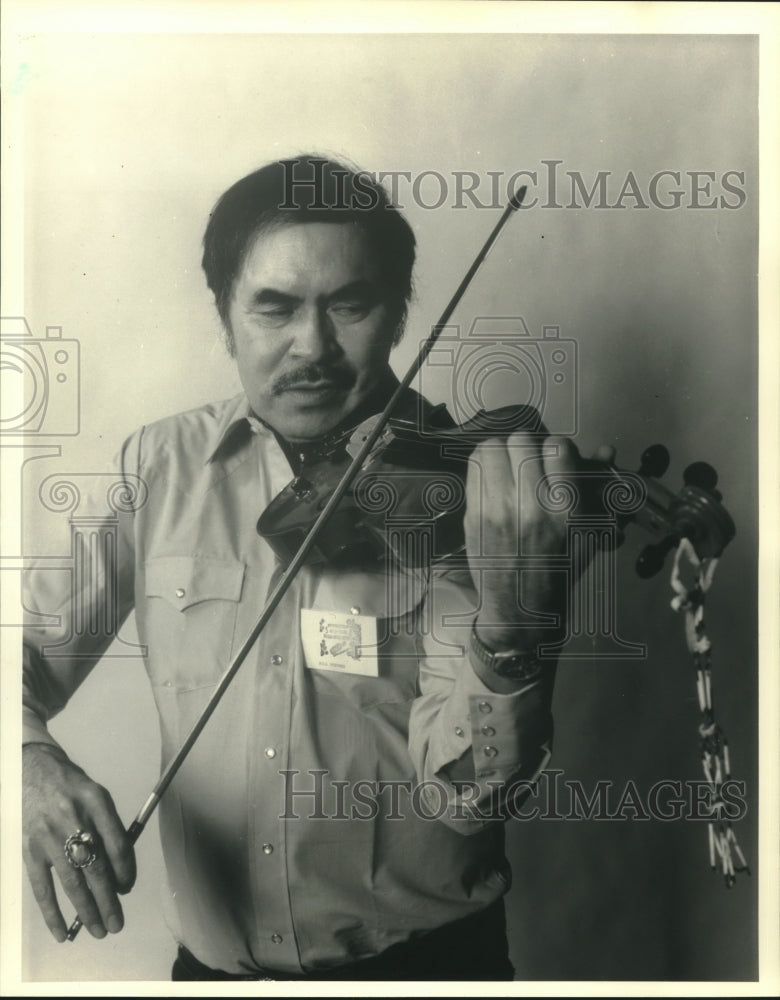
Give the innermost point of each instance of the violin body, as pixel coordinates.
(411, 477)
(408, 500)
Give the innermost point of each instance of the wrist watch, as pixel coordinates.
(512, 663)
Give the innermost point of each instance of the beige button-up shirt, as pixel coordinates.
(315, 822)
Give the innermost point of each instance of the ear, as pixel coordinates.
(400, 327)
(227, 338)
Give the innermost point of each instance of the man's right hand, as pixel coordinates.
(58, 800)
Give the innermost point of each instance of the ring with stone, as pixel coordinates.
(80, 849)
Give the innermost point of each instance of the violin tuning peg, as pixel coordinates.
(701, 474)
(651, 558)
(654, 461)
(649, 562)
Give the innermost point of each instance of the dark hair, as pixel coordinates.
(307, 188)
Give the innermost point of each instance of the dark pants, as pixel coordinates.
(474, 948)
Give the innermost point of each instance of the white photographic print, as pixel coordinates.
(492, 287)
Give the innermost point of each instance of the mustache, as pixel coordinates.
(341, 378)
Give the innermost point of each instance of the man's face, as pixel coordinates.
(311, 326)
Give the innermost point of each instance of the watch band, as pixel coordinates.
(513, 663)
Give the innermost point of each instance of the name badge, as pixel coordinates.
(342, 642)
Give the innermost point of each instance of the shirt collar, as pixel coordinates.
(235, 427)
(239, 422)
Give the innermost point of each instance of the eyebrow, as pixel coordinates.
(362, 288)
(271, 297)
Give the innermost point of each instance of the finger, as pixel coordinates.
(42, 884)
(116, 843)
(525, 460)
(489, 464)
(100, 881)
(77, 891)
(561, 455)
(541, 518)
(559, 460)
(490, 498)
(512, 516)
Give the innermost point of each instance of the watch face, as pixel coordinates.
(514, 665)
(517, 668)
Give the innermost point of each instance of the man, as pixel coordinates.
(284, 856)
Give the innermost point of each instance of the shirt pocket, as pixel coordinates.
(394, 600)
(391, 597)
(191, 606)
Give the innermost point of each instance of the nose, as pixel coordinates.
(314, 337)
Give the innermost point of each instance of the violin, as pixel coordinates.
(415, 476)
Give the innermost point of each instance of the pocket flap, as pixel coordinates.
(380, 595)
(186, 580)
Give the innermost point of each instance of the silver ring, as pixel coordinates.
(80, 849)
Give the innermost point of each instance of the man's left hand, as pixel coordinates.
(505, 518)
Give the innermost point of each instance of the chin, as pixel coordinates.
(308, 428)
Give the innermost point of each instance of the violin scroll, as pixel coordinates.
(695, 513)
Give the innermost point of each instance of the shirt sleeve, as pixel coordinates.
(75, 604)
(471, 746)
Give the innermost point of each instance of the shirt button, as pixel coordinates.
(277, 938)
(488, 731)
(458, 731)
(180, 592)
(276, 659)
(489, 751)
(485, 707)
(354, 610)
(270, 752)
(268, 848)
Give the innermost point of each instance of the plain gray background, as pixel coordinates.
(129, 141)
